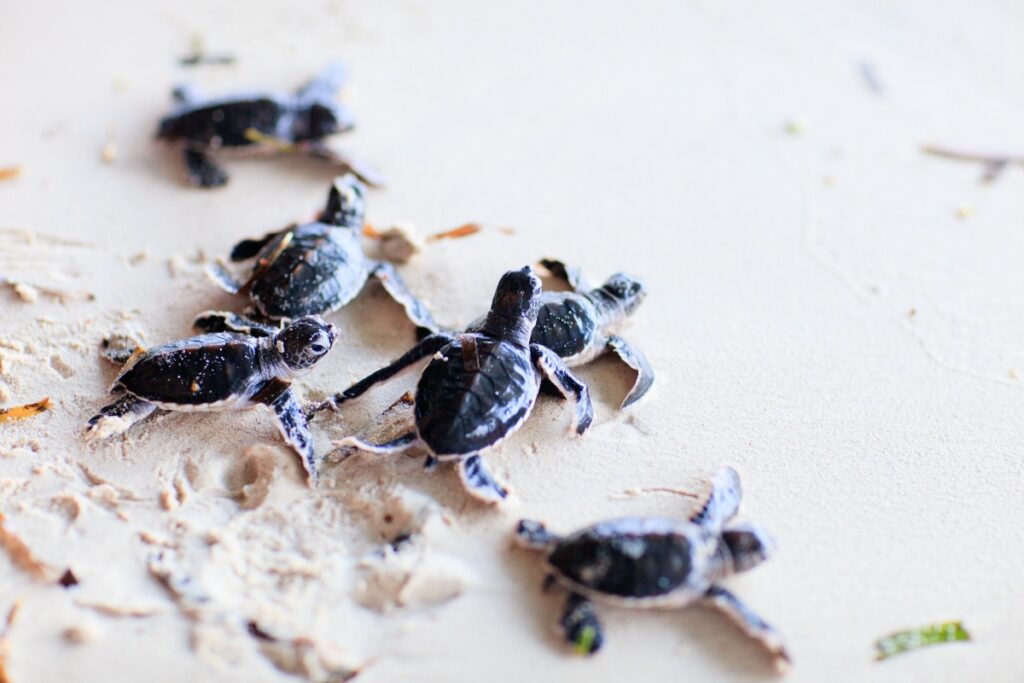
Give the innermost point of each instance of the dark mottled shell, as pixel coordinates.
(461, 411)
(321, 269)
(223, 123)
(195, 371)
(566, 323)
(629, 558)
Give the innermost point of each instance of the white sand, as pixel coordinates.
(881, 447)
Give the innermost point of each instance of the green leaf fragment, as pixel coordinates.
(933, 634)
(585, 644)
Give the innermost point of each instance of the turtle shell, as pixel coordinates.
(223, 124)
(630, 557)
(475, 392)
(198, 371)
(566, 324)
(319, 270)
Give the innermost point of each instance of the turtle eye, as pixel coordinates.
(319, 349)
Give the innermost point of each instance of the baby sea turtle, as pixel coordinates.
(576, 325)
(260, 122)
(309, 269)
(479, 387)
(652, 562)
(223, 371)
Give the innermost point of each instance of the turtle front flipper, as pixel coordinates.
(427, 347)
(226, 321)
(250, 248)
(580, 626)
(479, 482)
(223, 278)
(417, 311)
(201, 169)
(344, 162)
(752, 624)
(723, 501)
(634, 358)
(571, 275)
(534, 535)
(554, 369)
(291, 421)
(118, 417)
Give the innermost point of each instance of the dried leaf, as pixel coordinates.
(21, 412)
(20, 553)
(462, 231)
(912, 639)
(10, 172)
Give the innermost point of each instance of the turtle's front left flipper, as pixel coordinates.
(723, 501)
(250, 248)
(226, 321)
(554, 369)
(345, 163)
(427, 347)
(752, 624)
(580, 625)
(417, 311)
(118, 417)
(202, 171)
(291, 421)
(479, 482)
(634, 358)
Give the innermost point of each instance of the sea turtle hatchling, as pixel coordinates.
(653, 562)
(577, 324)
(478, 387)
(309, 269)
(260, 122)
(222, 371)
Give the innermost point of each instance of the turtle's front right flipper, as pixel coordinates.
(417, 311)
(202, 171)
(580, 626)
(752, 624)
(226, 321)
(554, 370)
(571, 275)
(250, 248)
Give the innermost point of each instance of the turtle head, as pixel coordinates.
(748, 546)
(515, 306)
(304, 342)
(346, 205)
(628, 292)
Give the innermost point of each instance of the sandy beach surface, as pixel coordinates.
(834, 312)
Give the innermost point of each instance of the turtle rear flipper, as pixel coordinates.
(202, 171)
(118, 416)
(291, 421)
(479, 482)
(723, 501)
(752, 624)
(580, 625)
(634, 358)
(226, 321)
